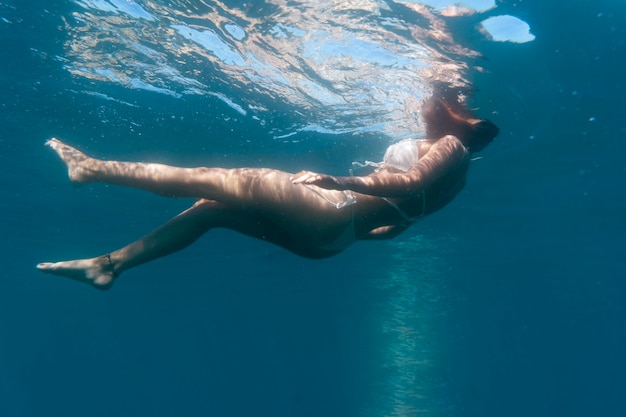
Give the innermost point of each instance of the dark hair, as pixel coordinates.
(482, 134)
(443, 116)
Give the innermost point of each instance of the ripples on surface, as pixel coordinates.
(359, 66)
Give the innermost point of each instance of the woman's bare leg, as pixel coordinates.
(232, 185)
(173, 236)
(295, 208)
(158, 178)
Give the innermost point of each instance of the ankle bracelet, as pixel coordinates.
(108, 258)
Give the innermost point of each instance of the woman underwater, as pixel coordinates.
(312, 215)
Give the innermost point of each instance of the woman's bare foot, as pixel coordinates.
(80, 167)
(98, 272)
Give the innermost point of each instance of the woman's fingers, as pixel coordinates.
(312, 178)
(305, 177)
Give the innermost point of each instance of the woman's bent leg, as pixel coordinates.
(173, 236)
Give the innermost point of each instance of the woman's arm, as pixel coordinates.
(446, 154)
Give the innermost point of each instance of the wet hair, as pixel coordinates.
(445, 116)
(482, 134)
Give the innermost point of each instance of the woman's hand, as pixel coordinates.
(321, 180)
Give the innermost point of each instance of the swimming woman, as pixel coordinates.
(310, 214)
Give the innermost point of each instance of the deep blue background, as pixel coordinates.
(527, 265)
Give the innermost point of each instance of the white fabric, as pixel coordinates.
(402, 155)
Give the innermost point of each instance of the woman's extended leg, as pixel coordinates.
(295, 208)
(174, 235)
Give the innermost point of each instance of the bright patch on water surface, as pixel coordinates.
(508, 29)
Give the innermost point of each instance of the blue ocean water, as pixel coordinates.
(510, 301)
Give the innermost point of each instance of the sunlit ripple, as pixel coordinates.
(349, 66)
